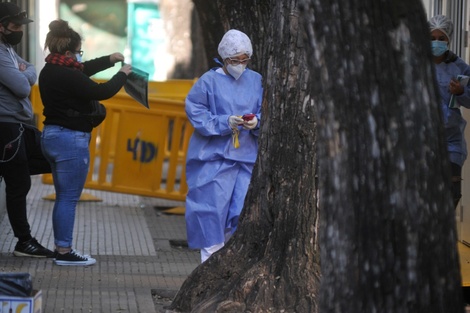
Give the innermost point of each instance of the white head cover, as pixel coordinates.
(235, 43)
(442, 23)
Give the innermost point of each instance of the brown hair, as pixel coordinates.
(61, 37)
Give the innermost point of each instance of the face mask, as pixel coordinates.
(438, 47)
(13, 38)
(236, 70)
(78, 57)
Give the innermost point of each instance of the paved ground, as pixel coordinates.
(137, 268)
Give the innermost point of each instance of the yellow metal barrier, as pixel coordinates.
(176, 89)
(138, 150)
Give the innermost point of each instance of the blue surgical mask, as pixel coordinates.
(78, 57)
(438, 47)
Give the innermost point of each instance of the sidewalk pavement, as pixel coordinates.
(137, 269)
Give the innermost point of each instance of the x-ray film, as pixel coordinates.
(136, 86)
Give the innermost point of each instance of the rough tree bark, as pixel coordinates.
(271, 263)
(388, 239)
(388, 235)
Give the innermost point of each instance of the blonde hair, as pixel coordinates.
(61, 38)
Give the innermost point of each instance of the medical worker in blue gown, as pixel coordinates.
(451, 74)
(223, 147)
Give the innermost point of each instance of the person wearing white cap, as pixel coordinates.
(452, 78)
(19, 138)
(224, 107)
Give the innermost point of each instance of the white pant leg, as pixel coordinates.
(228, 234)
(207, 252)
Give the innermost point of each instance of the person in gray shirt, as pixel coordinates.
(20, 150)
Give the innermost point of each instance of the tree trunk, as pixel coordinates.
(388, 235)
(271, 263)
(388, 238)
(184, 39)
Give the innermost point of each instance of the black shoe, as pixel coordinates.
(55, 253)
(73, 258)
(32, 248)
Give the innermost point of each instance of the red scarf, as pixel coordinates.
(60, 59)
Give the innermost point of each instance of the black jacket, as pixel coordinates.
(63, 88)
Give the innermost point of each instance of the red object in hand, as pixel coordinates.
(248, 117)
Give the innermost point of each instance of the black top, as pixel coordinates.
(63, 88)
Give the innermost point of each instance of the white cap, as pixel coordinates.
(235, 43)
(443, 24)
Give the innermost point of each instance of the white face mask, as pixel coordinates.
(78, 57)
(236, 70)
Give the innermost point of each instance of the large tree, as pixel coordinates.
(388, 236)
(388, 239)
(267, 264)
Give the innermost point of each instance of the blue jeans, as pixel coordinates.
(68, 153)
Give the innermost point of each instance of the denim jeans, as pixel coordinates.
(68, 153)
(20, 157)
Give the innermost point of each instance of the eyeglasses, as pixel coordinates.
(237, 61)
(80, 52)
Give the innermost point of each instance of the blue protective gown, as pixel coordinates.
(218, 174)
(453, 120)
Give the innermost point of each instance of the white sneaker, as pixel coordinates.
(74, 258)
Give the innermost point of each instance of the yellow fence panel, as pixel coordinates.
(176, 89)
(138, 150)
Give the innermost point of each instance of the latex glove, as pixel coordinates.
(251, 124)
(234, 121)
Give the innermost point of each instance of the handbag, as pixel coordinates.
(95, 117)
